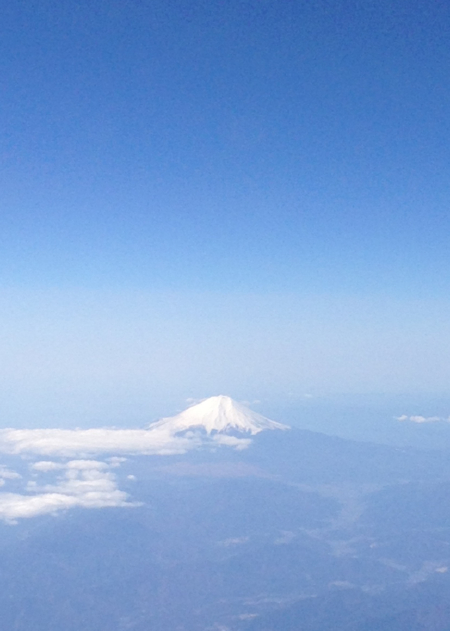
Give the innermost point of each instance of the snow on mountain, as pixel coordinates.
(217, 414)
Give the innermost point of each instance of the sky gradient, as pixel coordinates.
(240, 197)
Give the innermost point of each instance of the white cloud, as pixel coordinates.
(45, 465)
(89, 465)
(68, 443)
(79, 483)
(116, 461)
(82, 481)
(79, 442)
(7, 474)
(232, 441)
(14, 506)
(422, 419)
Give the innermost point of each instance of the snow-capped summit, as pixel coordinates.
(218, 414)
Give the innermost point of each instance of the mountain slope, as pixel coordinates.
(218, 414)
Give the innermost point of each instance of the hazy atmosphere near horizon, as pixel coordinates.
(247, 197)
(225, 315)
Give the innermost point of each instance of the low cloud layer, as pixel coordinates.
(63, 474)
(423, 419)
(84, 442)
(77, 483)
(80, 442)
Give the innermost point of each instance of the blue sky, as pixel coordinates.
(246, 197)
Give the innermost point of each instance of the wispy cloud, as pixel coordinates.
(422, 419)
(232, 441)
(7, 474)
(233, 541)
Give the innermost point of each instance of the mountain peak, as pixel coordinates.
(218, 414)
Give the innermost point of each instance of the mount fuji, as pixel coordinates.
(278, 531)
(218, 414)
